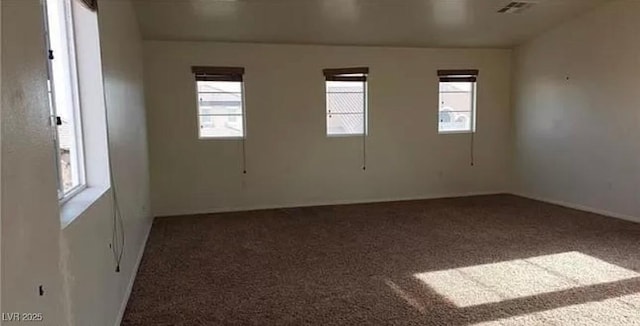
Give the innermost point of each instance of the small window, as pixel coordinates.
(346, 101)
(220, 102)
(63, 97)
(457, 105)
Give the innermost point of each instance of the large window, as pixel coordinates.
(457, 107)
(63, 97)
(346, 91)
(220, 102)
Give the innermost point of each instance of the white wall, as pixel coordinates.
(91, 95)
(576, 140)
(577, 112)
(74, 264)
(30, 223)
(97, 291)
(290, 161)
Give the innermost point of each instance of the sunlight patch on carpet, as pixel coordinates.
(490, 283)
(622, 311)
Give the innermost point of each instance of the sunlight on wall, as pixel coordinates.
(490, 283)
(622, 311)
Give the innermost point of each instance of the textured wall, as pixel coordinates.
(30, 223)
(97, 292)
(577, 112)
(74, 264)
(290, 161)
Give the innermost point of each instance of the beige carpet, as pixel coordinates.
(489, 260)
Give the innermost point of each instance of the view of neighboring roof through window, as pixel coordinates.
(346, 101)
(220, 103)
(457, 101)
(63, 97)
(220, 109)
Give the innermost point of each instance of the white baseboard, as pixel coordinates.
(325, 203)
(381, 200)
(134, 273)
(123, 306)
(581, 207)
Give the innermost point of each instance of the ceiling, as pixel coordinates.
(415, 23)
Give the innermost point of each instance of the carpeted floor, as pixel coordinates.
(488, 260)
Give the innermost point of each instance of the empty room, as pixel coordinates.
(320, 162)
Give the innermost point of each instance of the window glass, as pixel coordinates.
(457, 106)
(346, 107)
(63, 96)
(220, 109)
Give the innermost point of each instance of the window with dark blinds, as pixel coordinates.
(220, 102)
(346, 101)
(457, 101)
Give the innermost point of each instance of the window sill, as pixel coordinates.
(344, 135)
(79, 203)
(456, 132)
(221, 138)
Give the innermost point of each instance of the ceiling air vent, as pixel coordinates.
(516, 7)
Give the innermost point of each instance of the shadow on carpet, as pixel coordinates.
(487, 260)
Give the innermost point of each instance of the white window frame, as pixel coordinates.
(64, 196)
(346, 73)
(241, 116)
(221, 74)
(473, 111)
